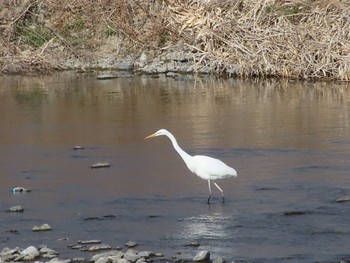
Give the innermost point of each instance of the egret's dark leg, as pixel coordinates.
(209, 192)
(221, 191)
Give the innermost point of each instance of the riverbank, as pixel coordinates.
(290, 39)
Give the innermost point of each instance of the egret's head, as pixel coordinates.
(157, 133)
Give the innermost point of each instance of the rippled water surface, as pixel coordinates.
(288, 141)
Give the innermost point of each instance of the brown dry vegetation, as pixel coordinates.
(296, 39)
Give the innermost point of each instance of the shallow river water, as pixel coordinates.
(289, 142)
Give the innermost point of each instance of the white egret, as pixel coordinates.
(205, 167)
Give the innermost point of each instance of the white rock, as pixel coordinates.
(112, 253)
(131, 255)
(202, 255)
(30, 253)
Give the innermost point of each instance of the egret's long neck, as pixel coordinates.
(184, 155)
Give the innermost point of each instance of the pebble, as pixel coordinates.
(100, 165)
(44, 227)
(202, 255)
(16, 208)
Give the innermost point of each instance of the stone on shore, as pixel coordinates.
(202, 255)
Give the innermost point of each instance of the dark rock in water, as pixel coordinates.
(78, 147)
(126, 65)
(100, 165)
(343, 199)
(92, 218)
(44, 227)
(13, 231)
(16, 208)
(202, 255)
(295, 213)
(193, 244)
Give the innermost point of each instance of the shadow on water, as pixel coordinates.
(289, 142)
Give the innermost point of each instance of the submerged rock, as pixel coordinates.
(202, 255)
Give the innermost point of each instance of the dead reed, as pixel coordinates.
(283, 38)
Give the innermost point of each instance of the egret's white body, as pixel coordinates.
(205, 167)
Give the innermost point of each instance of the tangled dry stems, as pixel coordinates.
(294, 39)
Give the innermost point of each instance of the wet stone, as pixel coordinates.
(99, 248)
(44, 227)
(48, 253)
(343, 199)
(116, 254)
(16, 208)
(92, 241)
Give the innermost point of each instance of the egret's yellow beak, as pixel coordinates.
(150, 136)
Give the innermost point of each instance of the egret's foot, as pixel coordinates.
(208, 202)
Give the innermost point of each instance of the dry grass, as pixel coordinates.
(293, 39)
